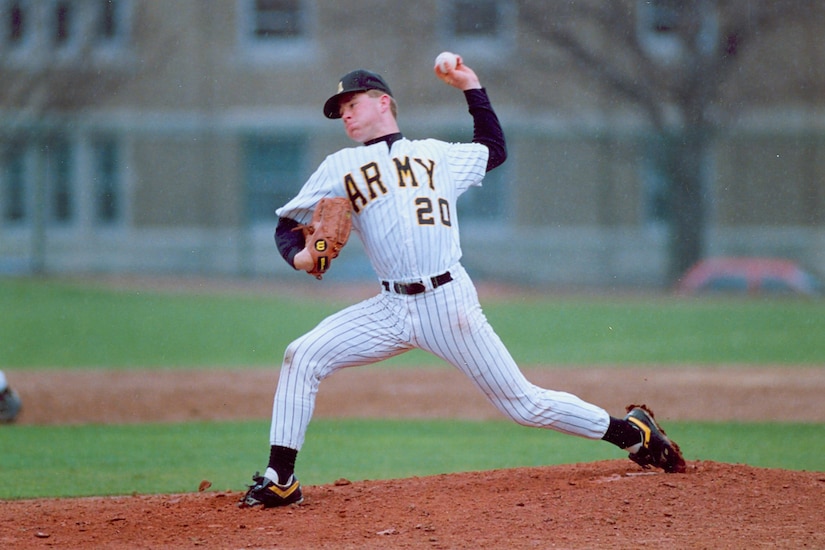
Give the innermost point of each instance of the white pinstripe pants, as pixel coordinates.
(447, 322)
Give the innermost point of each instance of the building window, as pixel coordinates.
(15, 24)
(24, 162)
(278, 31)
(60, 196)
(473, 18)
(60, 31)
(63, 23)
(17, 20)
(480, 19)
(275, 172)
(662, 25)
(278, 19)
(106, 179)
(13, 191)
(111, 22)
(664, 15)
(654, 175)
(483, 27)
(108, 20)
(274, 21)
(54, 164)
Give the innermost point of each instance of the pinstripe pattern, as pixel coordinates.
(447, 322)
(404, 211)
(389, 209)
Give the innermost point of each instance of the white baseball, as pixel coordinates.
(446, 62)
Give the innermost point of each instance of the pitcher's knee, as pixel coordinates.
(528, 421)
(525, 412)
(295, 357)
(302, 360)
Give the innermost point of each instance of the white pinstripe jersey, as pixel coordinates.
(403, 199)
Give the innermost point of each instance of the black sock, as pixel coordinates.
(622, 433)
(282, 460)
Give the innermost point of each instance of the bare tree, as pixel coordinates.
(60, 61)
(56, 59)
(672, 60)
(48, 71)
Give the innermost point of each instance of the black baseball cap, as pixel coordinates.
(357, 81)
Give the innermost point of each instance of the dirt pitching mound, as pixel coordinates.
(610, 504)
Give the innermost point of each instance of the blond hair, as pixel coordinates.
(393, 104)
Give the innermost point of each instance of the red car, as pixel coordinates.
(749, 275)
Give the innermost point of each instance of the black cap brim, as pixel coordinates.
(332, 108)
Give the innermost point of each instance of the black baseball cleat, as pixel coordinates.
(656, 450)
(10, 405)
(265, 492)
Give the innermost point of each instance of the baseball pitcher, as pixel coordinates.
(402, 197)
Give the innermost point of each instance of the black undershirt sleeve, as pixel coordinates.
(486, 127)
(289, 242)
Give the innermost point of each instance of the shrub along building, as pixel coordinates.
(160, 137)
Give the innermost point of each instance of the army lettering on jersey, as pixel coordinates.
(403, 198)
(373, 183)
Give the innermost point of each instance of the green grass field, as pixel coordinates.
(54, 325)
(49, 461)
(49, 324)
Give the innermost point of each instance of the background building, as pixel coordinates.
(159, 137)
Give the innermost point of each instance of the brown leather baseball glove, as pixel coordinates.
(328, 232)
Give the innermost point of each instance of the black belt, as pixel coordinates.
(418, 286)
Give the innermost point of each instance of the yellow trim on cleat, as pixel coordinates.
(642, 426)
(284, 493)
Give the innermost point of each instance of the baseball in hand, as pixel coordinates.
(446, 62)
